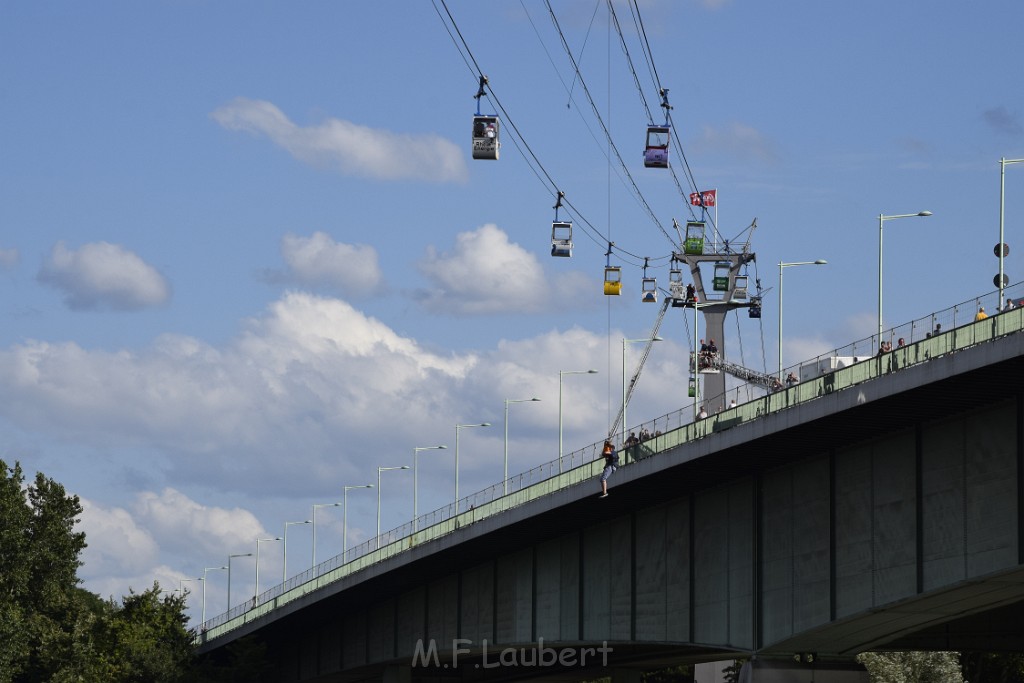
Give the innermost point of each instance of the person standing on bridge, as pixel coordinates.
(611, 463)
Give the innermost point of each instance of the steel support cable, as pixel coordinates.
(629, 60)
(604, 127)
(520, 142)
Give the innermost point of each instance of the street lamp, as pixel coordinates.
(783, 265)
(315, 506)
(379, 470)
(256, 591)
(507, 401)
(560, 374)
(624, 342)
(1003, 163)
(457, 428)
(208, 569)
(881, 221)
(284, 566)
(344, 517)
(415, 476)
(231, 557)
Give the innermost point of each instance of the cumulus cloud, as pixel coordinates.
(1003, 120)
(8, 258)
(318, 260)
(103, 275)
(349, 147)
(486, 273)
(738, 140)
(308, 369)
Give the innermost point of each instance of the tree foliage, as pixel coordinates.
(53, 630)
(912, 667)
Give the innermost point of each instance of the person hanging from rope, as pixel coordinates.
(611, 463)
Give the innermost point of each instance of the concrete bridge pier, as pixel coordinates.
(760, 670)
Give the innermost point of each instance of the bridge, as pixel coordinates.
(878, 506)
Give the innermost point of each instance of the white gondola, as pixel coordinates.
(561, 238)
(656, 152)
(649, 291)
(675, 284)
(486, 137)
(739, 289)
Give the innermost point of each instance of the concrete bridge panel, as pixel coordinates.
(380, 640)
(443, 609)
(943, 504)
(411, 620)
(991, 473)
(811, 546)
(514, 592)
(607, 576)
(894, 518)
(329, 647)
(652, 543)
(354, 629)
(558, 590)
(723, 549)
(795, 548)
(853, 529)
(477, 603)
(741, 564)
(678, 561)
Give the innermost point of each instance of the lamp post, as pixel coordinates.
(416, 478)
(624, 342)
(379, 470)
(881, 221)
(315, 506)
(207, 569)
(231, 557)
(344, 517)
(284, 566)
(507, 401)
(256, 591)
(561, 373)
(1003, 163)
(783, 265)
(457, 428)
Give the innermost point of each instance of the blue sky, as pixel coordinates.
(246, 258)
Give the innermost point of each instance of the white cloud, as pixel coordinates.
(103, 275)
(349, 147)
(319, 260)
(486, 273)
(8, 258)
(737, 140)
(117, 545)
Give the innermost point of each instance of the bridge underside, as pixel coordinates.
(885, 516)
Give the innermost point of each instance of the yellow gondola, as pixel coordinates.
(612, 281)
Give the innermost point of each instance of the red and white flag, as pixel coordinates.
(705, 198)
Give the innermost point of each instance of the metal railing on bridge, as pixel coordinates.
(944, 332)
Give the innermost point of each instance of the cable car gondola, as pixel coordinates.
(658, 137)
(486, 140)
(612, 281)
(656, 152)
(561, 238)
(694, 237)
(739, 289)
(675, 285)
(486, 130)
(721, 279)
(649, 291)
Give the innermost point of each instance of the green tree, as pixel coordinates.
(912, 667)
(53, 630)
